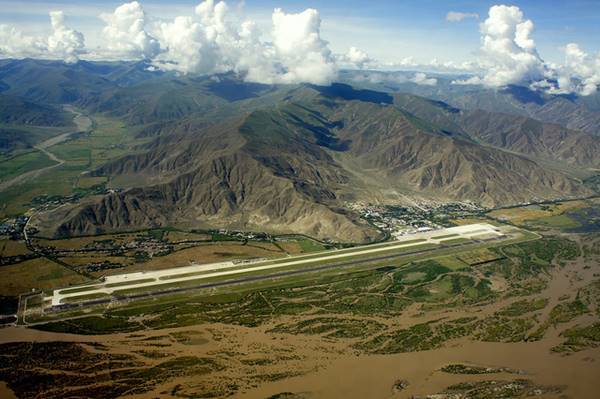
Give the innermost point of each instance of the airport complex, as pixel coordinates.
(160, 282)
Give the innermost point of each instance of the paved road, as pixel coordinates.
(83, 124)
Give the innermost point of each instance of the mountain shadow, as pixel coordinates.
(324, 137)
(232, 90)
(346, 92)
(445, 106)
(524, 95)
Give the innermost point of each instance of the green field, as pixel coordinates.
(451, 262)
(108, 140)
(563, 221)
(308, 245)
(577, 216)
(24, 163)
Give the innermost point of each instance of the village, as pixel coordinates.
(397, 221)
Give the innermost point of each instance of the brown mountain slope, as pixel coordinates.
(582, 114)
(567, 113)
(220, 178)
(286, 169)
(385, 139)
(520, 134)
(531, 137)
(231, 191)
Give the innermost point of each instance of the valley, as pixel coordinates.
(180, 235)
(474, 307)
(83, 124)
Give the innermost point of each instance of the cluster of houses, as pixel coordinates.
(14, 227)
(401, 220)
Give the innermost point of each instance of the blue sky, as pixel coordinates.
(387, 30)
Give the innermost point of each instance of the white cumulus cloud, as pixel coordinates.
(473, 80)
(421, 79)
(214, 40)
(509, 55)
(355, 58)
(434, 65)
(125, 35)
(456, 16)
(580, 73)
(299, 49)
(186, 47)
(16, 44)
(400, 77)
(62, 43)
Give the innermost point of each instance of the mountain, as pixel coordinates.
(571, 111)
(54, 82)
(517, 133)
(531, 137)
(292, 166)
(24, 123)
(410, 152)
(216, 151)
(167, 97)
(567, 111)
(15, 110)
(249, 173)
(14, 139)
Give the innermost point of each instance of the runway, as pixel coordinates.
(312, 262)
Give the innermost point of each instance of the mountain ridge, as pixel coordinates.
(282, 166)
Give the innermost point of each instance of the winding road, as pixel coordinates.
(83, 123)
